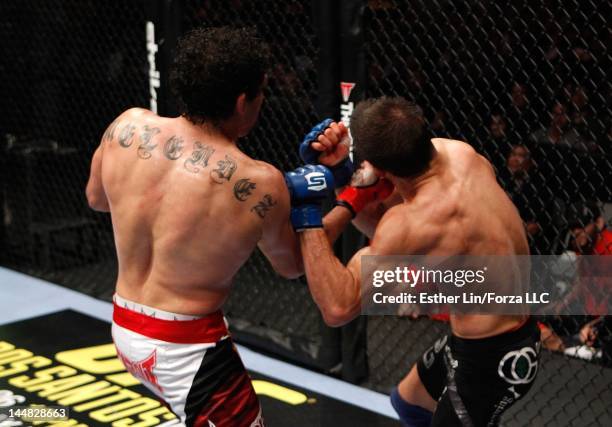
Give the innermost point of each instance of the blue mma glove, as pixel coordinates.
(308, 154)
(342, 171)
(308, 187)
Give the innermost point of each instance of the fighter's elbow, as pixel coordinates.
(290, 274)
(96, 201)
(336, 316)
(290, 270)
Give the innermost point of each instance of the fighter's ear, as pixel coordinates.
(386, 175)
(240, 107)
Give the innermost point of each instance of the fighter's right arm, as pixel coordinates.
(367, 220)
(96, 196)
(279, 243)
(335, 221)
(337, 289)
(327, 144)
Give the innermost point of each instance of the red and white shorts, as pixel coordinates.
(191, 363)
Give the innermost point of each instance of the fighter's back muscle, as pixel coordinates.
(187, 209)
(463, 211)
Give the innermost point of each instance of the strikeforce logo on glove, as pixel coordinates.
(316, 181)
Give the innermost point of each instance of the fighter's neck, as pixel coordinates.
(409, 187)
(222, 132)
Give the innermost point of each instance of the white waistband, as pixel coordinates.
(151, 311)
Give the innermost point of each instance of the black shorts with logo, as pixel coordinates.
(476, 380)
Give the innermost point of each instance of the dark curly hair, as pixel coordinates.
(212, 67)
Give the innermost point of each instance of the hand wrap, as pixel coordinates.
(365, 188)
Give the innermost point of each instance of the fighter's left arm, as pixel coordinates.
(366, 221)
(96, 196)
(279, 243)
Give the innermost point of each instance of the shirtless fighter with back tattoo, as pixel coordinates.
(188, 208)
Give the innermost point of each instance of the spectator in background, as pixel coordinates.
(592, 237)
(588, 235)
(521, 114)
(497, 127)
(559, 131)
(582, 117)
(443, 126)
(579, 102)
(496, 143)
(523, 186)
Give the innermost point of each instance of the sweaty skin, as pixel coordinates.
(456, 208)
(188, 208)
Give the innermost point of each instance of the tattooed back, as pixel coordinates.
(188, 208)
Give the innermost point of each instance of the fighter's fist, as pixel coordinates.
(328, 143)
(308, 187)
(310, 182)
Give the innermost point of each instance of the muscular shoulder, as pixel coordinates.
(135, 115)
(454, 147)
(405, 231)
(127, 122)
(461, 154)
(270, 178)
(264, 184)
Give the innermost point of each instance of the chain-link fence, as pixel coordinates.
(526, 83)
(262, 304)
(68, 68)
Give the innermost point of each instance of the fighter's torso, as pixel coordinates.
(181, 203)
(463, 211)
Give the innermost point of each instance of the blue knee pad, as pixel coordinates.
(410, 415)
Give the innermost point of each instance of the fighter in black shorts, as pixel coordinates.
(475, 380)
(446, 202)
